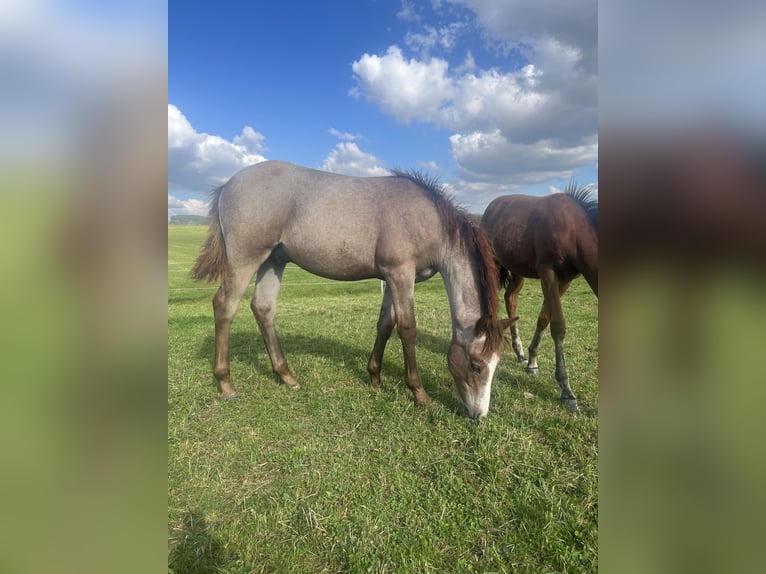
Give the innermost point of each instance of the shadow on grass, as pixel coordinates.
(195, 549)
(544, 387)
(249, 347)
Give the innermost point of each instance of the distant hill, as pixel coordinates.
(188, 220)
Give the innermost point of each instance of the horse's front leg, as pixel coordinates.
(516, 282)
(403, 297)
(386, 322)
(543, 318)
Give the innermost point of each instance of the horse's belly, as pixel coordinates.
(333, 262)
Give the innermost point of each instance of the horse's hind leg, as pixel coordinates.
(225, 303)
(386, 322)
(264, 307)
(515, 284)
(552, 292)
(543, 319)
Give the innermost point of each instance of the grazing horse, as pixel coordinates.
(401, 229)
(553, 238)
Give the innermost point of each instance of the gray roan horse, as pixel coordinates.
(553, 238)
(401, 229)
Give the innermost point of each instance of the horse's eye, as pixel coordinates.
(475, 367)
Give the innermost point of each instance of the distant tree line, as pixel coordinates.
(188, 220)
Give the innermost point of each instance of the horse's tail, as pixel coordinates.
(212, 263)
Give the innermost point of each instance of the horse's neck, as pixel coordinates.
(588, 264)
(461, 282)
(591, 276)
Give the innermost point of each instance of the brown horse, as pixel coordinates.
(401, 229)
(553, 238)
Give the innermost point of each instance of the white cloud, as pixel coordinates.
(511, 22)
(198, 161)
(251, 141)
(348, 159)
(513, 126)
(405, 89)
(186, 206)
(468, 65)
(408, 13)
(528, 104)
(505, 125)
(444, 37)
(429, 165)
(491, 157)
(346, 136)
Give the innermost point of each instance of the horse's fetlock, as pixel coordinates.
(222, 373)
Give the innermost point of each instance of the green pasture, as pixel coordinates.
(340, 477)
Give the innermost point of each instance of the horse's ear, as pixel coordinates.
(482, 326)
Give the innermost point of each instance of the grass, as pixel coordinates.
(340, 477)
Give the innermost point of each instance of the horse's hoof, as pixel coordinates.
(532, 370)
(521, 359)
(294, 385)
(230, 397)
(571, 404)
(422, 400)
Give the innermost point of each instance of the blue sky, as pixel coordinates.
(494, 96)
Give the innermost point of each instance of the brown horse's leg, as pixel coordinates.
(386, 322)
(264, 307)
(403, 297)
(543, 318)
(552, 292)
(511, 302)
(225, 305)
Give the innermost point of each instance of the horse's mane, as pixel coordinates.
(586, 199)
(461, 229)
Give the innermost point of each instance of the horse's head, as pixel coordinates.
(472, 361)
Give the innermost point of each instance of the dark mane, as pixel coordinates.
(463, 231)
(585, 197)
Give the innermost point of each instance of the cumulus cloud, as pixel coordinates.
(178, 206)
(490, 157)
(406, 89)
(524, 104)
(522, 125)
(443, 37)
(348, 159)
(512, 22)
(199, 161)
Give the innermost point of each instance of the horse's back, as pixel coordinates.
(333, 225)
(529, 231)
